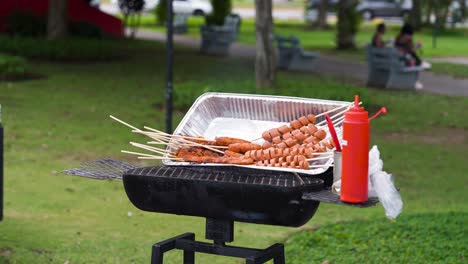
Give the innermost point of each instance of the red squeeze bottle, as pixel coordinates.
(355, 156)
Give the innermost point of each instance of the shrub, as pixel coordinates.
(160, 12)
(11, 66)
(85, 29)
(23, 23)
(27, 24)
(73, 49)
(221, 9)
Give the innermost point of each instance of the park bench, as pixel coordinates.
(292, 57)
(387, 69)
(180, 23)
(216, 40)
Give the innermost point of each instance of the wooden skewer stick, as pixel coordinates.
(334, 109)
(153, 149)
(172, 145)
(191, 142)
(161, 141)
(136, 153)
(187, 137)
(160, 158)
(320, 166)
(319, 158)
(154, 135)
(339, 121)
(322, 153)
(183, 144)
(335, 116)
(124, 123)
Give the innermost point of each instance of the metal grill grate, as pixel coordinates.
(225, 174)
(102, 169)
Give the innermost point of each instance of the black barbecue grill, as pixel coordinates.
(223, 195)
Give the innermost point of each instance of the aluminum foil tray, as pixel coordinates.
(246, 116)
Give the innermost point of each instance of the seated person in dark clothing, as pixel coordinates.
(404, 42)
(377, 39)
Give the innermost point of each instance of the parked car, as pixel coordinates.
(312, 6)
(93, 3)
(384, 8)
(193, 7)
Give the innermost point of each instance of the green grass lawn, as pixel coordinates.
(58, 122)
(456, 70)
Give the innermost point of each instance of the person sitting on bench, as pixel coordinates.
(404, 43)
(377, 39)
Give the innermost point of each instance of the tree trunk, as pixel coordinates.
(463, 9)
(427, 17)
(57, 19)
(265, 54)
(322, 14)
(415, 15)
(348, 24)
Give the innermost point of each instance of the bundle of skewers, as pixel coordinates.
(301, 144)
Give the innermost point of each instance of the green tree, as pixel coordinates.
(265, 53)
(348, 24)
(221, 9)
(322, 14)
(415, 18)
(161, 12)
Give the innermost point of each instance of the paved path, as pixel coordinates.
(457, 60)
(330, 65)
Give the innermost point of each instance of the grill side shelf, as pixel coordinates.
(327, 196)
(102, 169)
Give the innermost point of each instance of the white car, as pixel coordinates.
(193, 7)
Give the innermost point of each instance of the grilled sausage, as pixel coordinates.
(320, 134)
(243, 147)
(226, 141)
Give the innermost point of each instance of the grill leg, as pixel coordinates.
(162, 247)
(280, 259)
(275, 252)
(189, 256)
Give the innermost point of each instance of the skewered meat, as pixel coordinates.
(266, 135)
(229, 153)
(243, 147)
(311, 118)
(284, 129)
(195, 151)
(266, 145)
(273, 153)
(298, 161)
(274, 132)
(226, 141)
(320, 134)
(295, 124)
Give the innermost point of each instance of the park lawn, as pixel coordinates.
(58, 122)
(456, 70)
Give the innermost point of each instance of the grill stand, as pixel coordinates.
(220, 231)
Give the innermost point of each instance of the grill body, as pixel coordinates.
(227, 193)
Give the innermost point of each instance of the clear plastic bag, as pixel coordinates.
(381, 185)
